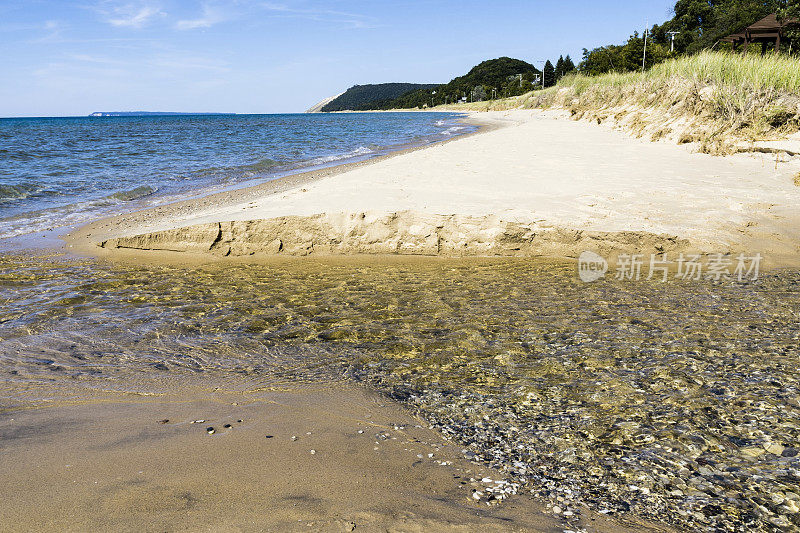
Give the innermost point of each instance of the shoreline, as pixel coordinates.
(81, 239)
(334, 457)
(525, 184)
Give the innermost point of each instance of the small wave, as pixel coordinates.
(358, 152)
(234, 172)
(20, 191)
(133, 194)
(453, 130)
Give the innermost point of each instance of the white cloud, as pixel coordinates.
(211, 15)
(50, 31)
(130, 15)
(88, 58)
(353, 20)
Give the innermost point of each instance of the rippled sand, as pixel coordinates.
(675, 402)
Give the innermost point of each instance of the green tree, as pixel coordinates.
(569, 66)
(790, 9)
(549, 74)
(501, 74)
(560, 68)
(633, 53)
(703, 23)
(376, 96)
(700, 25)
(601, 60)
(625, 58)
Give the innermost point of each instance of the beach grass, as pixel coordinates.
(722, 102)
(722, 69)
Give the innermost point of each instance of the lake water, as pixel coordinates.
(56, 172)
(676, 402)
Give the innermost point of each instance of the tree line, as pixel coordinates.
(496, 78)
(372, 96)
(696, 25)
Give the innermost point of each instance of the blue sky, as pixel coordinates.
(250, 56)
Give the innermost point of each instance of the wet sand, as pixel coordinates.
(671, 401)
(305, 458)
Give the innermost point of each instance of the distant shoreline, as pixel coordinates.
(151, 114)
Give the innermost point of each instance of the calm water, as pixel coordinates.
(678, 402)
(63, 171)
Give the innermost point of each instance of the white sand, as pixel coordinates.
(547, 170)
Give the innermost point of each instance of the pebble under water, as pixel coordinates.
(676, 402)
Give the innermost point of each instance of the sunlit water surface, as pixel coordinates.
(676, 401)
(64, 171)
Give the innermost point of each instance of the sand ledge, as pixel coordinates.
(404, 233)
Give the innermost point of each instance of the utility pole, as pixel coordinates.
(644, 55)
(672, 35)
(544, 63)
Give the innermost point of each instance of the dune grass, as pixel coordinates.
(717, 100)
(722, 69)
(779, 72)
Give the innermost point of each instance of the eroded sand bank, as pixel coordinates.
(536, 183)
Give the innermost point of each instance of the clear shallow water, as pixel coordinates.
(679, 402)
(64, 171)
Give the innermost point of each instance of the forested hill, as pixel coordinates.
(499, 77)
(505, 76)
(377, 96)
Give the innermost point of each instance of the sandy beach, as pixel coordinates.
(532, 268)
(532, 184)
(216, 456)
(224, 455)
